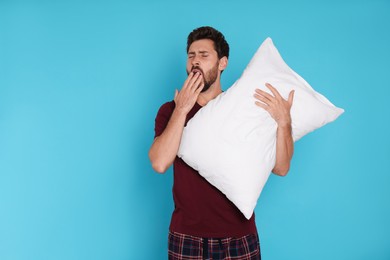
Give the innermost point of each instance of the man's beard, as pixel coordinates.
(209, 78)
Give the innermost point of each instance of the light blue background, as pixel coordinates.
(80, 85)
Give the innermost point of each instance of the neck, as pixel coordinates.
(210, 94)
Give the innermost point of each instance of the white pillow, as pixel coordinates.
(232, 142)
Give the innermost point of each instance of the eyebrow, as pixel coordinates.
(192, 52)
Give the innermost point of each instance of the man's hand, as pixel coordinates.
(186, 98)
(278, 107)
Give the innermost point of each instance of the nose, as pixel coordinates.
(195, 61)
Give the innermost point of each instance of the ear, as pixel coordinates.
(223, 62)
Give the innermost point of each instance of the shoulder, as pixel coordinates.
(168, 105)
(163, 116)
(167, 108)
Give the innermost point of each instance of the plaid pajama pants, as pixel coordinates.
(186, 247)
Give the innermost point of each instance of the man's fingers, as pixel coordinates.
(261, 105)
(262, 98)
(199, 89)
(273, 90)
(195, 82)
(192, 80)
(264, 94)
(191, 88)
(188, 79)
(264, 102)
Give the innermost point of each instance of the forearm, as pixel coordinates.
(284, 150)
(165, 147)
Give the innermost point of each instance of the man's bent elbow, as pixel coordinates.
(159, 168)
(281, 171)
(158, 165)
(159, 162)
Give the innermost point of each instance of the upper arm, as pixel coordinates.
(162, 118)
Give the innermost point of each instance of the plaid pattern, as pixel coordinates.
(186, 247)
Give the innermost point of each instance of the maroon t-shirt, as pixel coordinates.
(200, 208)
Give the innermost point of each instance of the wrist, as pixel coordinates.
(180, 112)
(285, 125)
(284, 122)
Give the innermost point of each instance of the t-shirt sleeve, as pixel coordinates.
(162, 118)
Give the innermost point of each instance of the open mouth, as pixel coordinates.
(196, 70)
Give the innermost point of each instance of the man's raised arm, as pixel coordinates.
(165, 146)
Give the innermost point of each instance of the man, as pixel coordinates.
(205, 224)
